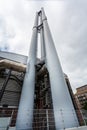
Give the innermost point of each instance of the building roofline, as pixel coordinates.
(82, 86)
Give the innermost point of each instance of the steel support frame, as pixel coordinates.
(4, 85)
(60, 94)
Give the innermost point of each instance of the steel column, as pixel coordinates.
(25, 112)
(60, 94)
(42, 40)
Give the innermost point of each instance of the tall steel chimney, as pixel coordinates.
(62, 103)
(25, 112)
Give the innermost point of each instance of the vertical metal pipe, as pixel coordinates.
(47, 118)
(42, 40)
(25, 112)
(60, 94)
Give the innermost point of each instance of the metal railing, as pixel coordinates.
(43, 119)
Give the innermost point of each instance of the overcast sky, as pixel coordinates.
(68, 24)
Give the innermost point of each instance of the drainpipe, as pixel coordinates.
(25, 111)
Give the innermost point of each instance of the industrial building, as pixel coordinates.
(11, 81)
(34, 93)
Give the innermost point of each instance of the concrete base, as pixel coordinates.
(75, 128)
(78, 128)
(12, 128)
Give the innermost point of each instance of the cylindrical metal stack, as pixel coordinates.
(60, 94)
(25, 112)
(62, 103)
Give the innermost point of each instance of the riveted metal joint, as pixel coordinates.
(39, 27)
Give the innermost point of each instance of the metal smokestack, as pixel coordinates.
(25, 112)
(62, 102)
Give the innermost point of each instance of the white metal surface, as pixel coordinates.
(60, 94)
(42, 40)
(4, 122)
(25, 112)
(12, 128)
(78, 128)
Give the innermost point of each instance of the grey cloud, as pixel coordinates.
(68, 23)
(3, 35)
(71, 42)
